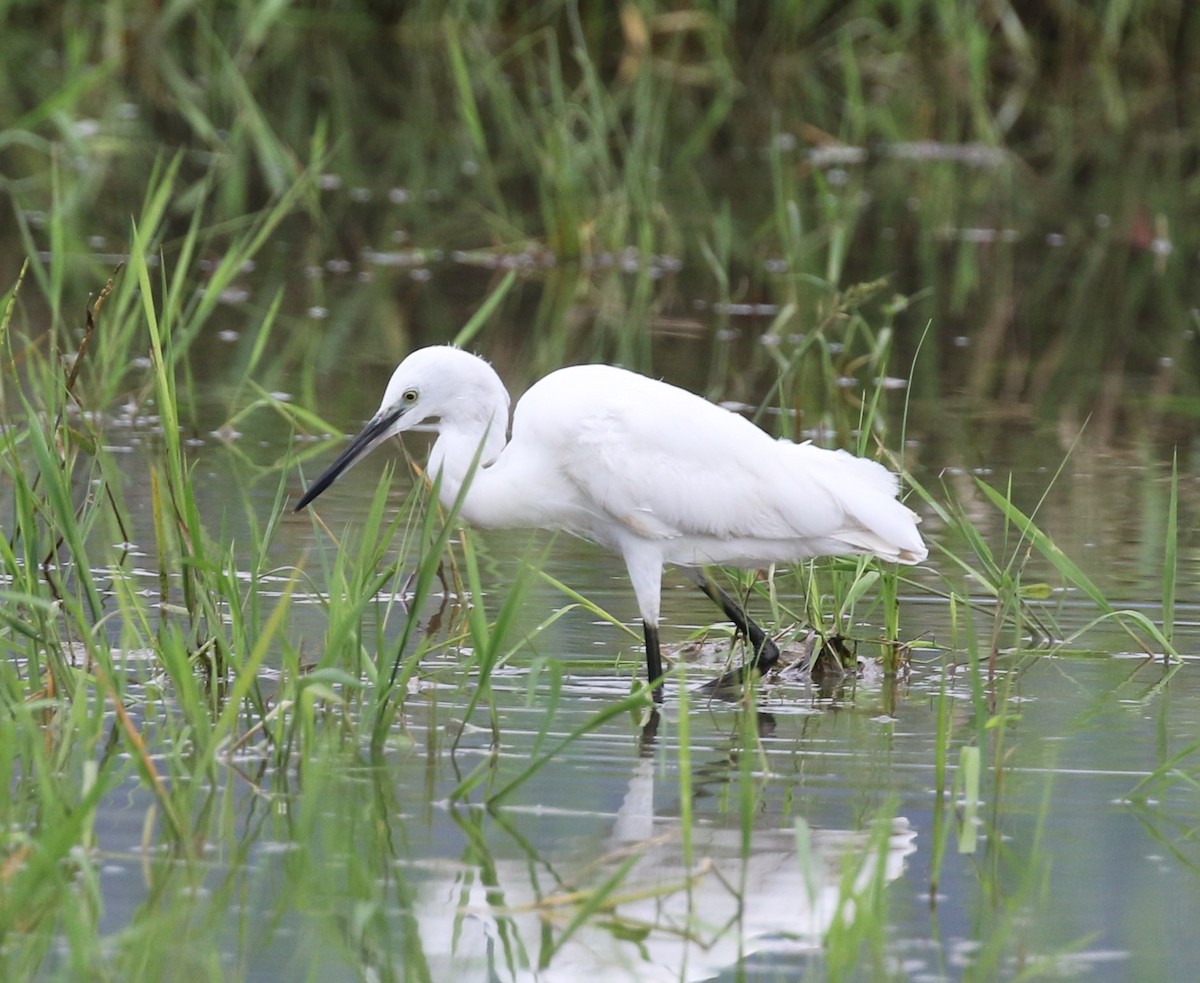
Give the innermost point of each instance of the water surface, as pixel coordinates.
(742, 844)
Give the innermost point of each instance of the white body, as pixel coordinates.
(652, 472)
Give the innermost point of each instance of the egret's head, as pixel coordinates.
(443, 386)
(440, 388)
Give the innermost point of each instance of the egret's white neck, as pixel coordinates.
(462, 445)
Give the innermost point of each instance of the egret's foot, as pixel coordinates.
(826, 662)
(766, 655)
(820, 660)
(727, 686)
(728, 683)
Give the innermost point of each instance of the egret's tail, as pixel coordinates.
(902, 543)
(866, 491)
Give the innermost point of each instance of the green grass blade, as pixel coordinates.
(1067, 567)
(480, 317)
(1171, 555)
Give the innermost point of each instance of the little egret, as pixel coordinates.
(652, 472)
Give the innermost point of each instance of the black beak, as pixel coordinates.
(371, 436)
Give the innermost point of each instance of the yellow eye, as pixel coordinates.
(410, 396)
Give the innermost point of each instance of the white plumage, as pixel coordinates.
(648, 470)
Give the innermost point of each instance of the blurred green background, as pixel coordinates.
(1018, 178)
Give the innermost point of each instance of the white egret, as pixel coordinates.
(652, 472)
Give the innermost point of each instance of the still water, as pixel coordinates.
(735, 842)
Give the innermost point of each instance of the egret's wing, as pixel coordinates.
(666, 464)
(666, 474)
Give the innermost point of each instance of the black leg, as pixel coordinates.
(653, 659)
(649, 732)
(766, 653)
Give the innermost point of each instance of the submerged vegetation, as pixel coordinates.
(242, 744)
